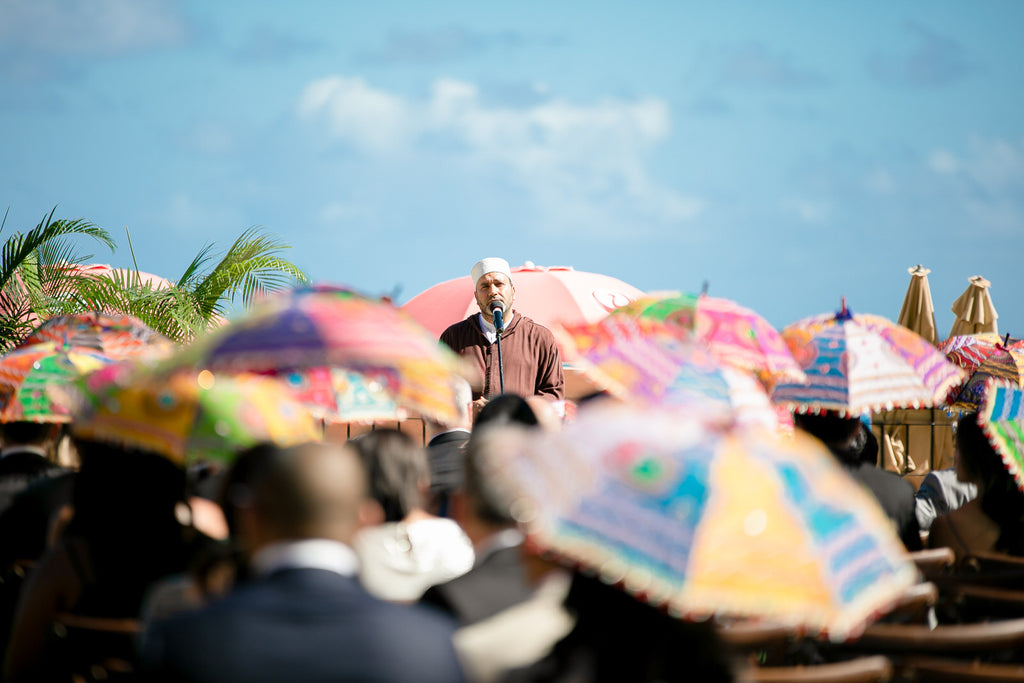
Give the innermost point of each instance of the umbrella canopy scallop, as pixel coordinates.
(117, 336)
(1002, 418)
(863, 363)
(703, 520)
(29, 376)
(189, 417)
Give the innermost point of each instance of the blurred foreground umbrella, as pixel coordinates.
(858, 364)
(187, 416)
(326, 327)
(974, 310)
(117, 336)
(28, 374)
(1002, 417)
(340, 395)
(701, 520)
(642, 360)
(1003, 363)
(736, 335)
(917, 313)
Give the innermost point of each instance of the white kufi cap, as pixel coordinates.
(490, 265)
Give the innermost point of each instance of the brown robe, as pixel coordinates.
(531, 360)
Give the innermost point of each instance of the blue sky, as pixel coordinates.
(787, 153)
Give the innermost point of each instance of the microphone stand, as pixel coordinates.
(499, 327)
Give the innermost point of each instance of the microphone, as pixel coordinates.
(498, 311)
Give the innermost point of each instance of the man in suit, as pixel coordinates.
(846, 438)
(498, 579)
(303, 616)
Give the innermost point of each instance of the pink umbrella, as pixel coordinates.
(549, 295)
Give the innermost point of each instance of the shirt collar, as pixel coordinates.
(488, 328)
(313, 553)
(23, 449)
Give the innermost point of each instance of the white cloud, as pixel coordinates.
(941, 161)
(574, 159)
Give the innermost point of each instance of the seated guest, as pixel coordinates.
(941, 491)
(126, 532)
(446, 445)
(302, 616)
(498, 578)
(846, 439)
(994, 520)
(413, 549)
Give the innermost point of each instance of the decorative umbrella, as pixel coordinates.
(640, 359)
(860, 364)
(1002, 418)
(188, 416)
(330, 327)
(974, 310)
(117, 336)
(1003, 363)
(28, 375)
(736, 335)
(970, 350)
(918, 313)
(703, 520)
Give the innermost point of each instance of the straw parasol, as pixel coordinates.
(918, 313)
(974, 310)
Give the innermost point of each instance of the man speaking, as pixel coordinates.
(530, 362)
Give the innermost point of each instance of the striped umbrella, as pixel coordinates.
(858, 364)
(1002, 418)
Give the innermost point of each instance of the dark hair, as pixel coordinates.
(1001, 499)
(490, 503)
(27, 433)
(397, 467)
(835, 432)
(505, 409)
(126, 505)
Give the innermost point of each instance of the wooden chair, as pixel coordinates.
(934, 562)
(757, 640)
(966, 639)
(859, 670)
(958, 671)
(915, 606)
(984, 603)
(96, 648)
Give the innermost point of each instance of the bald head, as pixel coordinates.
(315, 490)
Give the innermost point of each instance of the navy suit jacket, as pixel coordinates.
(301, 625)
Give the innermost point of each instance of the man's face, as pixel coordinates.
(494, 287)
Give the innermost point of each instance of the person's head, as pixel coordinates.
(38, 434)
(463, 396)
(485, 505)
(842, 435)
(309, 491)
(397, 469)
(492, 281)
(976, 461)
(506, 409)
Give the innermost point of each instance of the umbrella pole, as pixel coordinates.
(501, 367)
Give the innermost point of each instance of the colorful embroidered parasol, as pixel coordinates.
(736, 335)
(27, 376)
(188, 416)
(970, 350)
(641, 359)
(329, 327)
(1003, 363)
(703, 520)
(117, 336)
(860, 364)
(1002, 418)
